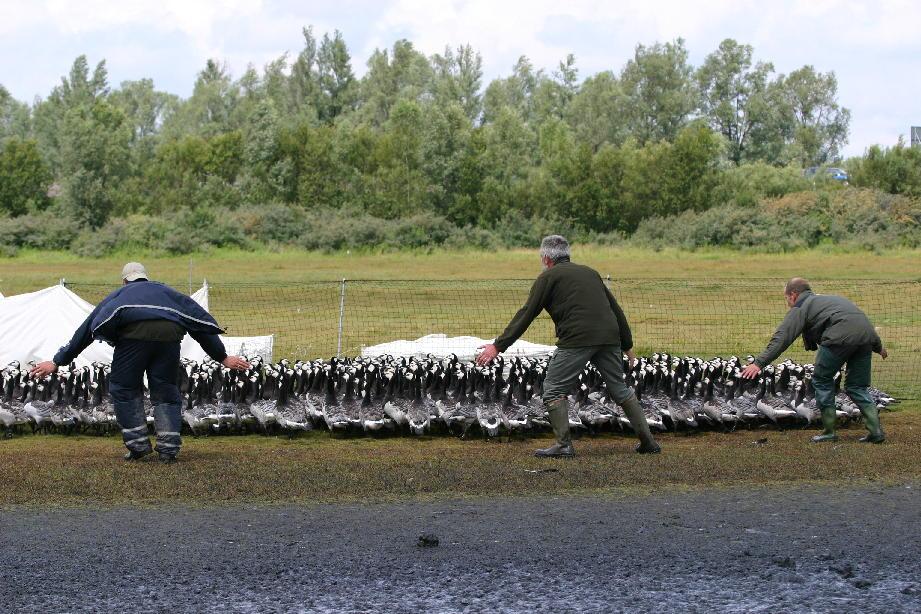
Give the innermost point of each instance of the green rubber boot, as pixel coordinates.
(637, 419)
(828, 421)
(558, 411)
(871, 419)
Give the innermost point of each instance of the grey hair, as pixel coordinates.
(554, 247)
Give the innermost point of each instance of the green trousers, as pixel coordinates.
(828, 363)
(567, 364)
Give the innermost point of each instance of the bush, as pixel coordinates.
(47, 230)
(747, 185)
(861, 218)
(896, 170)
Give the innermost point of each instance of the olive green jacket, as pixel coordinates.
(822, 319)
(583, 309)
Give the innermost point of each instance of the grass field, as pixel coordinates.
(703, 303)
(31, 271)
(58, 470)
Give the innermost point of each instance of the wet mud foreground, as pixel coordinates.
(820, 548)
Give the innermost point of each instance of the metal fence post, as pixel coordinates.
(341, 316)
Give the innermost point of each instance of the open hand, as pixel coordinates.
(489, 351)
(631, 359)
(42, 369)
(235, 362)
(751, 371)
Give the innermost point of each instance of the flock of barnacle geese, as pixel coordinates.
(430, 395)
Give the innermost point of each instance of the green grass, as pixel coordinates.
(714, 302)
(82, 470)
(34, 270)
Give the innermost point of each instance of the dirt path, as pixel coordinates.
(809, 547)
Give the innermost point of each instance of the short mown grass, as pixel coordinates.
(83, 470)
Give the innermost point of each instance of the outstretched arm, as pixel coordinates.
(519, 324)
(79, 342)
(791, 328)
(214, 347)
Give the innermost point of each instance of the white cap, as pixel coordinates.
(133, 271)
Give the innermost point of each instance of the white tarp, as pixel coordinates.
(240, 346)
(35, 325)
(441, 345)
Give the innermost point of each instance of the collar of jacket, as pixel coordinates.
(802, 297)
(561, 260)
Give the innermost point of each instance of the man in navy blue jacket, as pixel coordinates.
(146, 322)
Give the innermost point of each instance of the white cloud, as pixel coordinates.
(862, 40)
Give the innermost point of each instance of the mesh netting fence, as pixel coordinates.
(700, 317)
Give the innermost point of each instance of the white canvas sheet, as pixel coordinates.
(441, 345)
(33, 326)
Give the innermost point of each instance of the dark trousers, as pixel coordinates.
(567, 363)
(160, 361)
(827, 365)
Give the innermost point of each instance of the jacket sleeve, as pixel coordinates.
(79, 342)
(524, 317)
(211, 344)
(791, 328)
(877, 344)
(626, 335)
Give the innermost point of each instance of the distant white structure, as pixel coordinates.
(439, 344)
(33, 326)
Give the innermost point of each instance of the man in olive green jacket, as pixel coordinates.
(590, 326)
(842, 334)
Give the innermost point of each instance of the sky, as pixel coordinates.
(874, 47)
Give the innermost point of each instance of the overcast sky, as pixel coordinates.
(873, 47)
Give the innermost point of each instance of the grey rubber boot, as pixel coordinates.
(133, 422)
(871, 419)
(637, 419)
(558, 411)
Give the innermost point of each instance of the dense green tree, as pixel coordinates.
(734, 96)
(338, 86)
(515, 92)
(457, 80)
(811, 118)
(211, 110)
(660, 94)
(15, 117)
(424, 141)
(24, 177)
(596, 113)
(399, 74)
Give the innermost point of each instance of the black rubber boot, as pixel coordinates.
(133, 455)
(559, 419)
(871, 419)
(828, 421)
(637, 418)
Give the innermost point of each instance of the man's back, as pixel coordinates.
(835, 321)
(582, 308)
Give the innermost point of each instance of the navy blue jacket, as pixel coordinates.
(144, 300)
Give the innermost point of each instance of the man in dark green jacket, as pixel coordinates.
(842, 334)
(590, 326)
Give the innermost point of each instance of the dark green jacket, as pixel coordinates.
(583, 309)
(822, 319)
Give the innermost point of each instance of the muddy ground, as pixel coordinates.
(818, 548)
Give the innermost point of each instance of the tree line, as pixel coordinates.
(422, 137)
